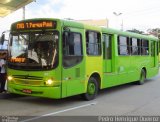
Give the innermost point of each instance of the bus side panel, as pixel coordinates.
(123, 69)
(135, 67)
(152, 72)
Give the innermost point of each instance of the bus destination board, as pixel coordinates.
(36, 25)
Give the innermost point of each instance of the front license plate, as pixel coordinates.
(28, 91)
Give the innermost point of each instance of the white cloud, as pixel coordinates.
(140, 14)
(50, 9)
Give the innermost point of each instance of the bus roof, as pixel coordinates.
(70, 23)
(129, 34)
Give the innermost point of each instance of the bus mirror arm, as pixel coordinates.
(67, 29)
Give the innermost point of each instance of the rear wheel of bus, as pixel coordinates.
(142, 77)
(92, 89)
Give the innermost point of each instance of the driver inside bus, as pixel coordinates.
(39, 51)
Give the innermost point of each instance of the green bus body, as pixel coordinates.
(111, 68)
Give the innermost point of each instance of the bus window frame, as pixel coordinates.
(128, 46)
(100, 43)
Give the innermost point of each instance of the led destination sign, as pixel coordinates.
(36, 25)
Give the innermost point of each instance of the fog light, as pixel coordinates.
(10, 77)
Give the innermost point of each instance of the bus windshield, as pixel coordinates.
(33, 51)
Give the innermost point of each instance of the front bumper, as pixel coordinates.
(40, 91)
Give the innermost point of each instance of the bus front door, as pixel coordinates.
(73, 65)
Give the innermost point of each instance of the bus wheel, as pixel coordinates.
(92, 89)
(142, 77)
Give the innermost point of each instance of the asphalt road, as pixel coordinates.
(125, 100)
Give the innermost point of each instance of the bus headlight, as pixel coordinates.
(10, 78)
(49, 82)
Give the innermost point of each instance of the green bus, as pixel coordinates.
(57, 58)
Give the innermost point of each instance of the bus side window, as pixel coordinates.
(145, 47)
(134, 46)
(152, 49)
(72, 48)
(107, 44)
(123, 45)
(93, 43)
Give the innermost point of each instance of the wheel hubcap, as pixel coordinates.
(91, 88)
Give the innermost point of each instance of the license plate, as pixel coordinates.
(28, 91)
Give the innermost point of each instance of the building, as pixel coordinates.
(100, 22)
(8, 6)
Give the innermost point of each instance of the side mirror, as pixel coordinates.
(2, 39)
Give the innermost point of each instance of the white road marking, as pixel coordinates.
(61, 111)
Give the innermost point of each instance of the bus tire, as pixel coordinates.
(92, 89)
(142, 77)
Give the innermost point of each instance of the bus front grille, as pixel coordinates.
(28, 80)
(27, 77)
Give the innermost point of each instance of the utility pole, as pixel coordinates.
(117, 15)
(24, 12)
(122, 25)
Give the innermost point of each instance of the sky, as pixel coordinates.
(136, 14)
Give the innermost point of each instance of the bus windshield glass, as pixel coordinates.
(33, 51)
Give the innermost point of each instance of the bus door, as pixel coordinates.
(107, 55)
(153, 54)
(73, 65)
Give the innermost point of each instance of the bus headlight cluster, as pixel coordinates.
(10, 78)
(49, 82)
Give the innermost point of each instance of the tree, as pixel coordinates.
(136, 31)
(154, 32)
